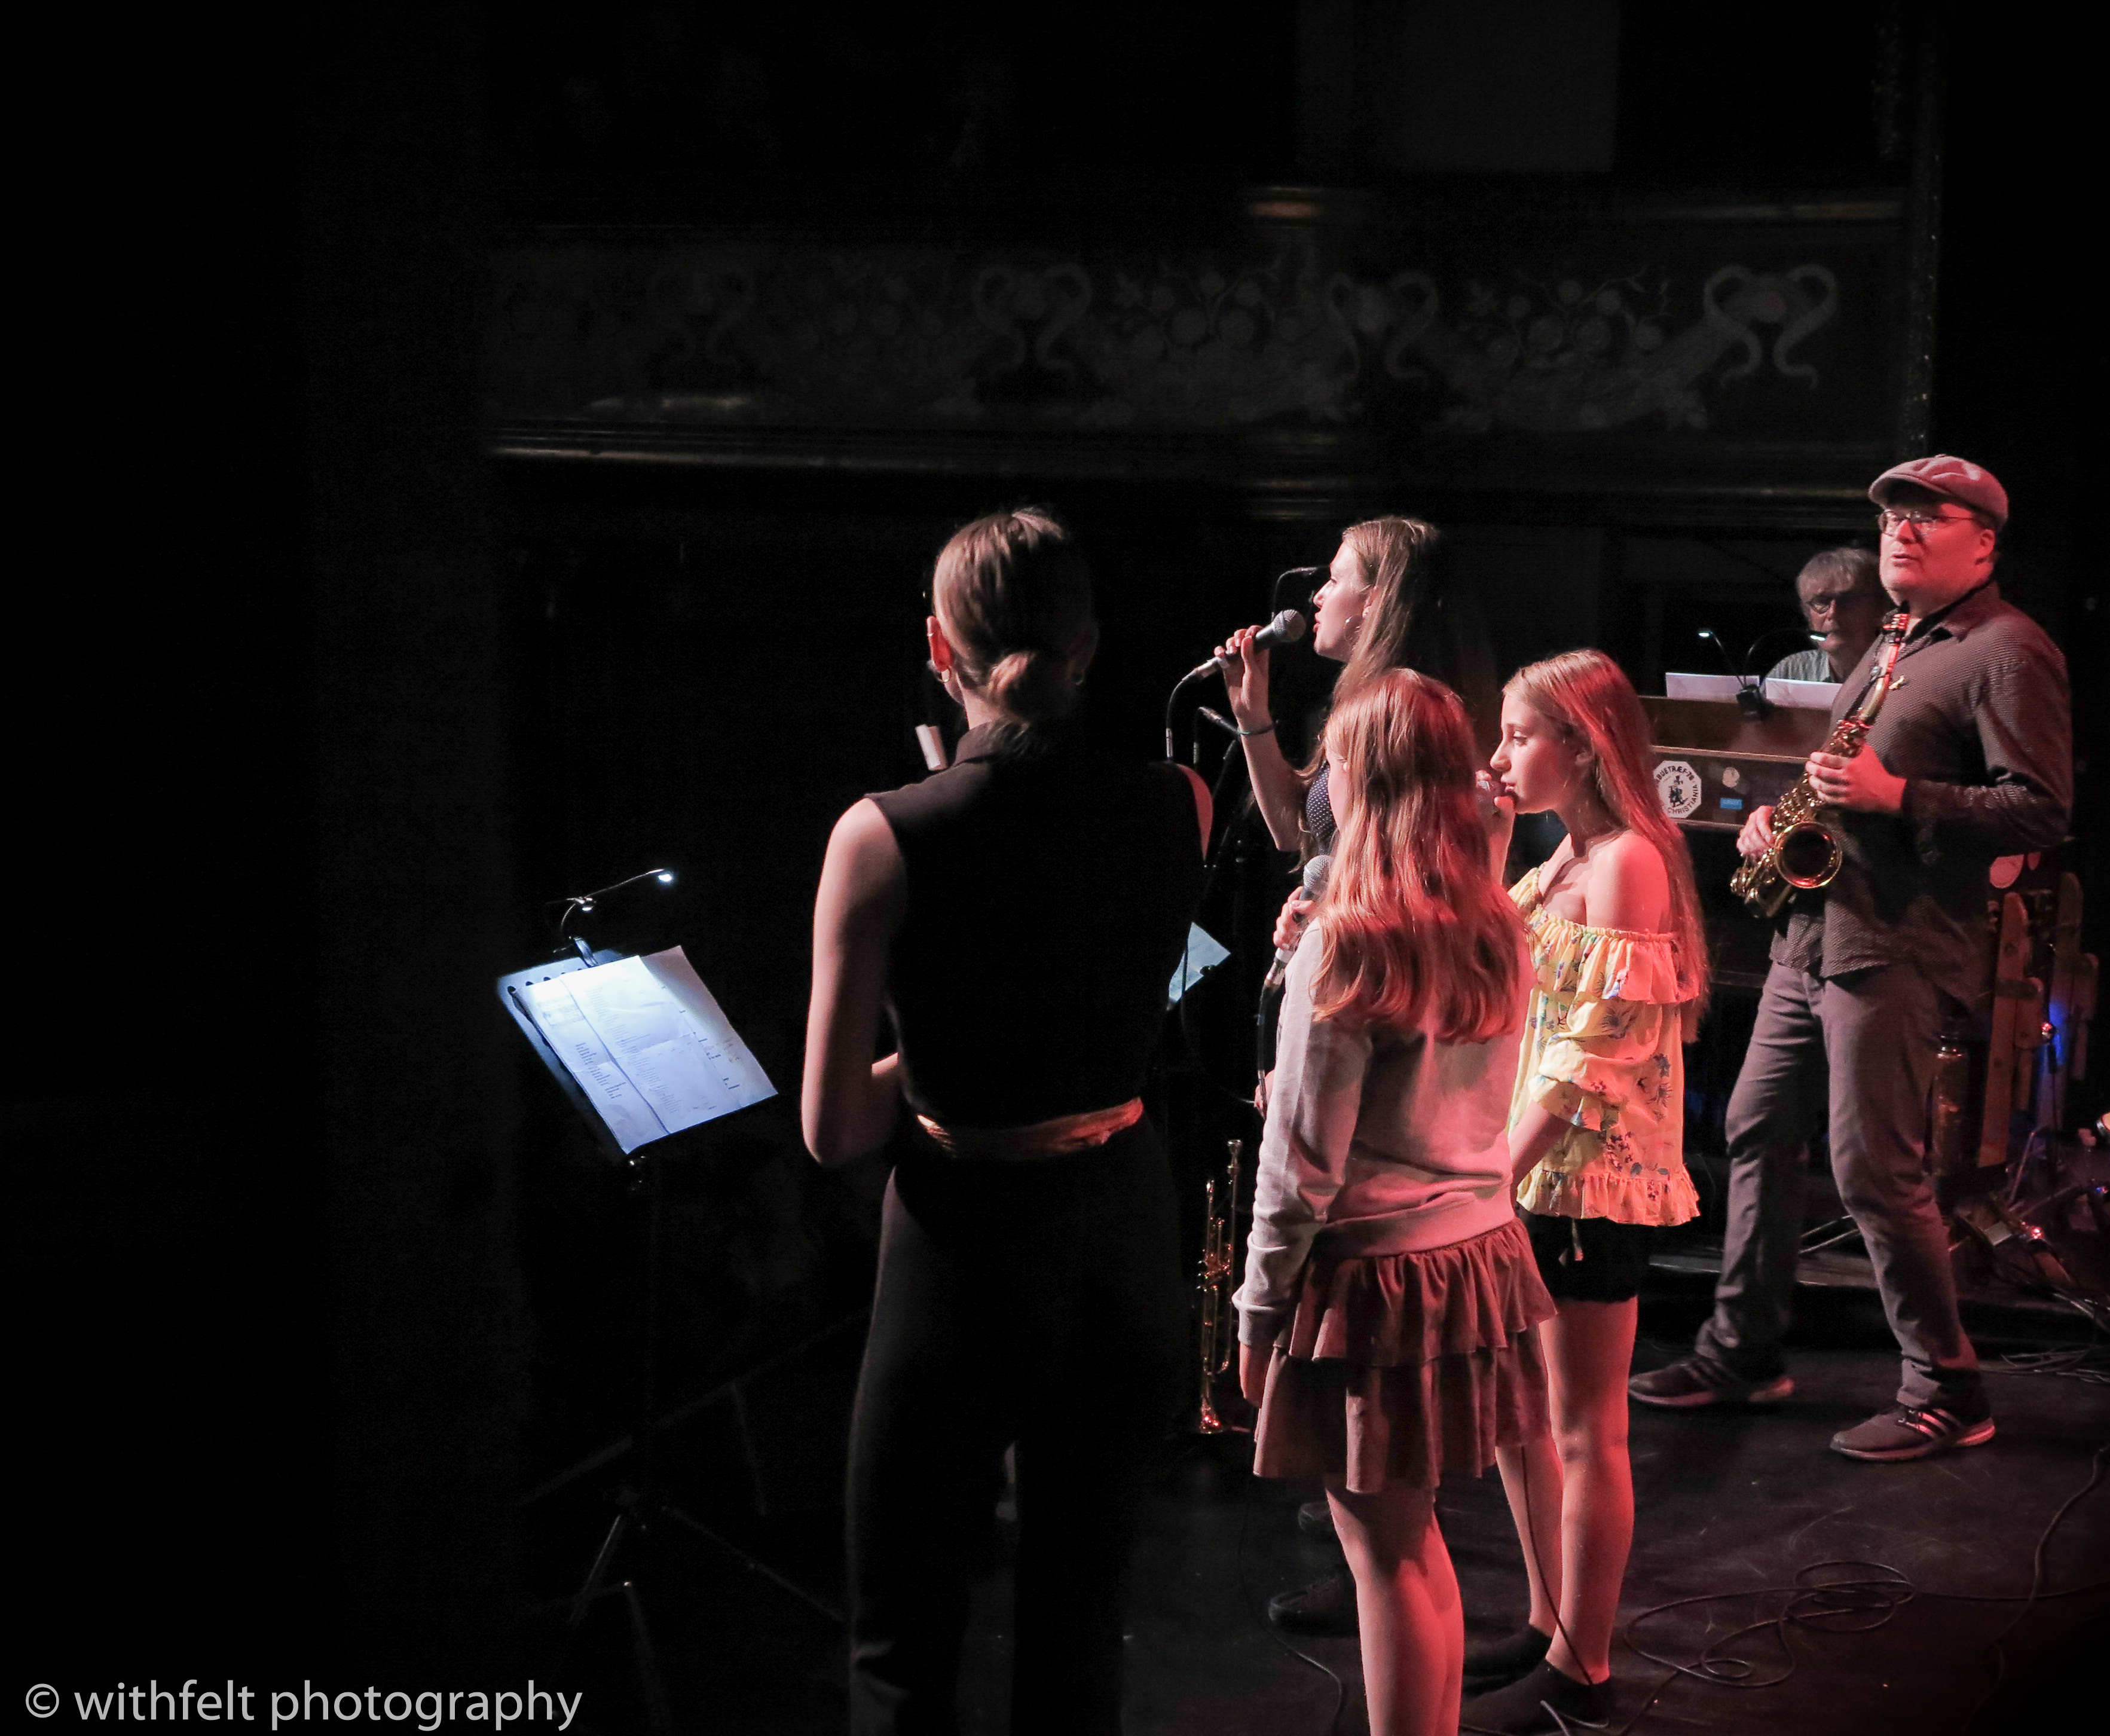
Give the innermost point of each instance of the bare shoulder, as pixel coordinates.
(864, 861)
(863, 828)
(1629, 886)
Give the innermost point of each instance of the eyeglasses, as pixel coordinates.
(1891, 521)
(1831, 604)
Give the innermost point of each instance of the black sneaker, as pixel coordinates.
(1544, 1703)
(1910, 1431)
(1315, 1519)
(1699, 1379)
(1326, 1606)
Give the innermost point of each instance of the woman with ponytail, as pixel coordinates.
(1017, 919)
(1596, 1141)
(1385, 1319)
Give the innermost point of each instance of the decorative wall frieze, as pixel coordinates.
(1610, 347)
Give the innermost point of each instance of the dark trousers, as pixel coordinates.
(1856, 1054)
(1037, 1302)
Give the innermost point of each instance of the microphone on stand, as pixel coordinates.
(1286, 629)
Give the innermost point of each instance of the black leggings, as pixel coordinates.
(1039, 1302)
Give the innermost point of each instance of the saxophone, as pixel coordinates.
(1805, 853)
(1218, 1278)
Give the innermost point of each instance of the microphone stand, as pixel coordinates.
(1275, 594)
(1171, 699)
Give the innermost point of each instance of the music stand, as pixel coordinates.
(641, 1503)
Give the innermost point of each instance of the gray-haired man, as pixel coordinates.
(1844, 603)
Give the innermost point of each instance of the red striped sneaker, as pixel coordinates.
(1699, 1379)
(1913, 1431)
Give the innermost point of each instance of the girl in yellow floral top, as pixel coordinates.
(1596, 1137)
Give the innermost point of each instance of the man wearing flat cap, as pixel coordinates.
(1970, 758)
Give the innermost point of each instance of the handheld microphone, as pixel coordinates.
(1316, 872)
(1286, 629)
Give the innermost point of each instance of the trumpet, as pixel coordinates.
(1215, 1282)
(1805, 853)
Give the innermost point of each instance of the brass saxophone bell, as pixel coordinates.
(1807, 856)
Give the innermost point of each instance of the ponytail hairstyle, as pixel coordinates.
(1588, 699)
(1014, 596)
(1414, 932)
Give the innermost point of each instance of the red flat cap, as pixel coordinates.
(1959, 479)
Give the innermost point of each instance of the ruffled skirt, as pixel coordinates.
(1399, 1367)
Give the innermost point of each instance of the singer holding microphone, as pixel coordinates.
(1385, 604)
(1017, 918)
(1384, 1323)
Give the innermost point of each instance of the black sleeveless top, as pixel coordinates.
(1050, 891)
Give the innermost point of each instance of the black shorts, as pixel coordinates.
(1589, 1259)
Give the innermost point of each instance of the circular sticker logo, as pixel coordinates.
(1678, 786)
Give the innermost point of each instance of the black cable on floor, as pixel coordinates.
(2087, 1360)
(1851, 1605)
(2036, 1590)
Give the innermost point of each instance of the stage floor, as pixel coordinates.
(1732, 1505)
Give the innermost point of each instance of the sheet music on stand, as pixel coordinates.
(1203, 953)
(1797, 696)
(646, 1046)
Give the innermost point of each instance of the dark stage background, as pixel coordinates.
(466, 508)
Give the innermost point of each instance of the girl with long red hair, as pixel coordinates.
(1384, 1320)
(1596, 1139)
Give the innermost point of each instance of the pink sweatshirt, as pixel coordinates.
(1376, 1143)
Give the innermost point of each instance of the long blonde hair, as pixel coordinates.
(1414, 933)
(1415, 618)
(1588, 699)
(1394, 555)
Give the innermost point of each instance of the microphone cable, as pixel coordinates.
(1858, 1603)
(1253, 1601)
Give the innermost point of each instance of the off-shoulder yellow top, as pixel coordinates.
(1603, 1050)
